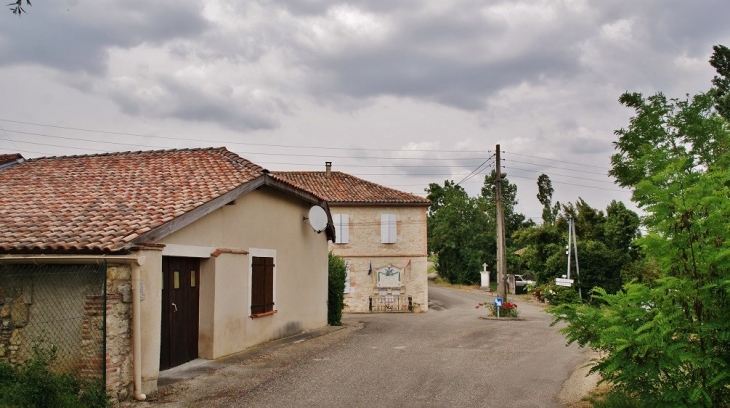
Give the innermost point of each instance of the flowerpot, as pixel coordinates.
(416, 309)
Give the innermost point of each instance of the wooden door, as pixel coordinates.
(180, 311)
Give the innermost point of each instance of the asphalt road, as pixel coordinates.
(448, 357)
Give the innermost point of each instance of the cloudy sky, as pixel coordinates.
(403, 93)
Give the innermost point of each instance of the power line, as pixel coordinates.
(226, 141)
(578, 185)
(476, 171)
(7, 136)
(560, 168)
(243, 153)
(479, 169)
(564, 175)
(473, 173)
(238, 143)
(362, 165)
(555, 160)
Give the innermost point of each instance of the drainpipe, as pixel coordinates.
(135, 263)
(137, 327)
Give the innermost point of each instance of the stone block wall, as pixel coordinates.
(414, 281)
(119, 370)
(14, 313)
(364, 250)
(49, 306)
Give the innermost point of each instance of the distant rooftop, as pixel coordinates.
(342, 188)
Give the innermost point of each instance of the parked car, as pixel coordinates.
(520, 280)
(521, 284)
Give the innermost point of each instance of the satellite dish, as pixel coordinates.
(318, 218)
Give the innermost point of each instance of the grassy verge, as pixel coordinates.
(606, 397)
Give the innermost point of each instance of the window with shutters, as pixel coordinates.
(342, 228)
(388, 229)
(262, 285)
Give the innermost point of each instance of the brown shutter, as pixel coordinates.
(262, 285)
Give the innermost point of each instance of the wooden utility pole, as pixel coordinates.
(501, 253)
(572, 236)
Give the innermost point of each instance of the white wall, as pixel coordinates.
(265, 219)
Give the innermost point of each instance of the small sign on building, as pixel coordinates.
(389, 278)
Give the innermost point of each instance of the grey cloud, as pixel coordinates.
(317, 7)
(73, 37)
(463, 84)
(185, 102)
(215, 46)
(443, 58)
(673, 25)
(586, 145)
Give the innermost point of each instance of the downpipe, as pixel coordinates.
(137, 327)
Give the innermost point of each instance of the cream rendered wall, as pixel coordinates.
(365, 249)
(151, 314)
(206, 323)
(264, 219)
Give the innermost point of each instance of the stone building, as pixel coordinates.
(381, 233)
(204, 253)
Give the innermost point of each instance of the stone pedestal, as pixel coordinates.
(485, 278)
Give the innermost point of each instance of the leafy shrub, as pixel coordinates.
(666, 342)
(559, 295)
(31, 384)
(508, 309)
(337, 273)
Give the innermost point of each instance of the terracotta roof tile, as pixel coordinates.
(338, 187)
(10, 158)
(99, 203)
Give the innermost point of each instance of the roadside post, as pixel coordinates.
(498, 305)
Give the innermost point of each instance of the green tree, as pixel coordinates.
(539, 245)
(589, 221)
(720, 60)
(604, 245)
(621, 228)
(545, 196)
(457, 233)
(513, 221)
(668, 343)
(462, 229)
(337, 273)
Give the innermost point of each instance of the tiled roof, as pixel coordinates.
(10, 158)
(343, 188)
(100, 203)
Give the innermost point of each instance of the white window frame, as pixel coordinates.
(342, 228)
(388, 228)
